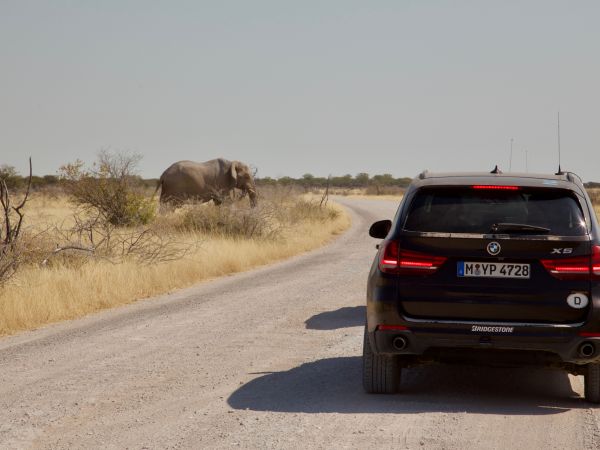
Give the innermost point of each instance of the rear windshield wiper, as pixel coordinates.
(518, 227)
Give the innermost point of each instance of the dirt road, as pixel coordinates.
(267, 359)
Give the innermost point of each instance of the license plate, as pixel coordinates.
(492, 270)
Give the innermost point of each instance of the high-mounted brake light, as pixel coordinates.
(395, 260)
(496, 187)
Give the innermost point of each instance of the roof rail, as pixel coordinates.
(571, 177)
(423, 174)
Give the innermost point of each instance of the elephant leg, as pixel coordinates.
(217, 200)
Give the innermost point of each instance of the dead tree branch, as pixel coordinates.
(10, 232)
(325, 197)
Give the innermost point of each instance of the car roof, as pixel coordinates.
(565, 180)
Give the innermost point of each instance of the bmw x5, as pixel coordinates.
(486, 268)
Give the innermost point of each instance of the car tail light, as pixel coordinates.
(395, 260)
(596, 260)
(392, 328)
(575, 268)
(389, 257)
(589, 334)
(419, 261)
(496, 187)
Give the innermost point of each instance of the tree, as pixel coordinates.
(10, 177)
(307, 181)
(362, 179)
(286, 181)
(384, 180)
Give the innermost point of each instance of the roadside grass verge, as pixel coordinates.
(377, 197)
(594, 194)
(74, 284)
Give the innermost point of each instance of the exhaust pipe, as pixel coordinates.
(587, 350)
(399, 343)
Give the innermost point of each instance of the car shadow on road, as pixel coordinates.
(334, 386)
(348, 316)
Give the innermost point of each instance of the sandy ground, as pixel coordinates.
(267, 359)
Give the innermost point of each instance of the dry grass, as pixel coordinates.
(595, 197)
(80, 285)
(377, 197)
(388, 193)
(47, 210)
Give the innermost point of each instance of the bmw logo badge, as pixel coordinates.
(493, 248)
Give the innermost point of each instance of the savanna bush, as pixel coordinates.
(231, 220)
(110, 188)
(275, 213)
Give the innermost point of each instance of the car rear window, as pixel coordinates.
(468, 210)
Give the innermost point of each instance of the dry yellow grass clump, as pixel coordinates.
(74, 284)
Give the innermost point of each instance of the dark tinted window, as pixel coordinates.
(467, 210)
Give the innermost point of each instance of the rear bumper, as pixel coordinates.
(551, 345)
(435, 339)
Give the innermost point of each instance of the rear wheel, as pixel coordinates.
(592, 383)
(381, 373)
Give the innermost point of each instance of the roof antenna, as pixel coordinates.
(560, 172)
(496, 170)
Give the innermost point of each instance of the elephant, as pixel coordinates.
(211, 180)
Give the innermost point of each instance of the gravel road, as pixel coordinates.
(267, 359)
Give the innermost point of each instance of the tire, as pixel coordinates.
(381, 373)
(592, 383)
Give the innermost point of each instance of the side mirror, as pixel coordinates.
(380, 229)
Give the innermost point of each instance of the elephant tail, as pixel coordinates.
(158, 186)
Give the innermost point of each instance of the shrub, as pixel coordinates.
(310, 211)
(110, 189)
(94, 238)
(230, 220)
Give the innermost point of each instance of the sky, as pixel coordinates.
(321, 87)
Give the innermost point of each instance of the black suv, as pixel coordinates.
(486, 268)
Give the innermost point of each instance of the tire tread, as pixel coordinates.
(592, 383)
(381, 373)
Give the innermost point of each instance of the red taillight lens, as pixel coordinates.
(420, 261)
(576, 268)
(596, 260)
(496, 187)
(389, 257)
(395, 260)
(392, 328)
